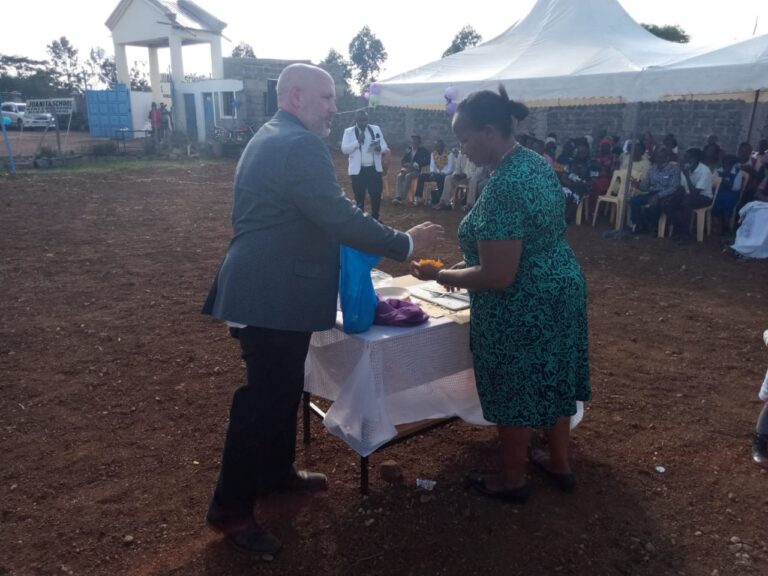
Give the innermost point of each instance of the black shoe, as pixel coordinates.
(565, 482)
(760, 450)
(245, 535)
(305, 481)
(514, 496)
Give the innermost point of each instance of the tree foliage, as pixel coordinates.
(243, 50)
(65, 66)
(338, 67)
(668, 32)
(99, 70)
(367, 55)
(465, 38)
(139, 77)
(107, 70)
(27, 76)
(63, 73)
(21, 66)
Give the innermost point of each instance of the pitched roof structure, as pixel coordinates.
(182, 15)
(566, 52)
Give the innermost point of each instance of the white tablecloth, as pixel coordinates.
(392, 375)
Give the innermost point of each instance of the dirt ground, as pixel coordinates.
(24, 144)
(115, 392)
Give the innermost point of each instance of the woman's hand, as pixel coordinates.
(424, 271)
(459, 266)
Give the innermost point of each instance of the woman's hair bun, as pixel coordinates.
(518, 110)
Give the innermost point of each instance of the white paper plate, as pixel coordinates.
(393, 292)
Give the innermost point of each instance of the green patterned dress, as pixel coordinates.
(529, 342)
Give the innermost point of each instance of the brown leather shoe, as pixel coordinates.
(305, 481)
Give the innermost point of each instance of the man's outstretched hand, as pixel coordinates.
(425, 236)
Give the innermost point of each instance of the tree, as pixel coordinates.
(139, 77)
(243, 50)
(31, 78)
(21, 66)
(65, 67)
(367, 54)
(37, 85)
(466, 38)
(668, 32)
(108, 72)
(99, 70)
(336, 66)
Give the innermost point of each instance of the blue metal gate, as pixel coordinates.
(109, 111)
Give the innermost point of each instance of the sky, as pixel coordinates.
(413, 33)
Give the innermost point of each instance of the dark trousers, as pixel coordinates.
(680, 207)
(644, 211)
(423, 178)
(368, 180)
(260, 445)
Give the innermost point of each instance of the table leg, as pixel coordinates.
(364, 475)
(305, 414)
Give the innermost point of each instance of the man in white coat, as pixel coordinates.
(365, 145)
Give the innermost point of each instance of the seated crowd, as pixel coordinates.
(665, 181)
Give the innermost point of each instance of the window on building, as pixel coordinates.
(270, 99)
(227, 104)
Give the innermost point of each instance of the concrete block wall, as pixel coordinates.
(399, 124)
(690, 121)
(254, 72)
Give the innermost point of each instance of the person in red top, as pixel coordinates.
(155, 120)
(605, 164)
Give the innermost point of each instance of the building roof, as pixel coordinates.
(183, 14)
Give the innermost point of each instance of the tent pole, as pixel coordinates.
(752, 116)
(626, 185)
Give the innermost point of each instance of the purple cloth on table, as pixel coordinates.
(394, 312)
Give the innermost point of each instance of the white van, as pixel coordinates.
(17, 113)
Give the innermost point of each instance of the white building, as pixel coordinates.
(172, 24)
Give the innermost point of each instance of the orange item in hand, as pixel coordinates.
(435, 263)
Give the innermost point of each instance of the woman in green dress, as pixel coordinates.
(528, 330)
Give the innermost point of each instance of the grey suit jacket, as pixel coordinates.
(281, 270)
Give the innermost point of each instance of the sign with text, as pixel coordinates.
(50, 105)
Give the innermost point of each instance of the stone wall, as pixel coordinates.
(254, 72)
(690, 121)
(397, 124)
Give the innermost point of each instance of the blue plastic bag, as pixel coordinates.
(356, 293)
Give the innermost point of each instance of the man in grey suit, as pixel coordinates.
(278, 284)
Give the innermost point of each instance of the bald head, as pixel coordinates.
(297, 76)
(309, 93)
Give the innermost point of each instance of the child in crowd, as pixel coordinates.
(729, 191)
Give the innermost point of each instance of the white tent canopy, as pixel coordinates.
(567, 52)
